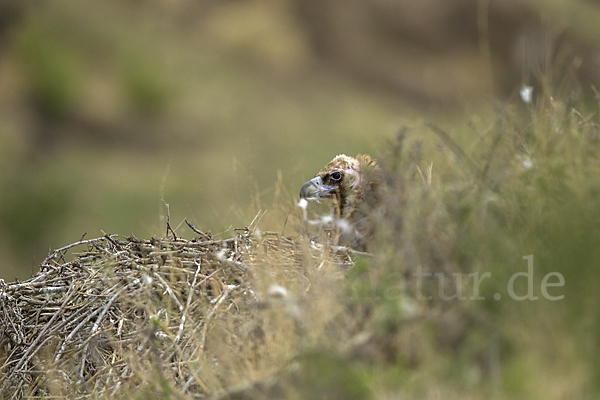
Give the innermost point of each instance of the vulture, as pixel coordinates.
(352, 184)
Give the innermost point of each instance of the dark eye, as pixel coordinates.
(336, 176)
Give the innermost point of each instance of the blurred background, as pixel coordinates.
(114, 114)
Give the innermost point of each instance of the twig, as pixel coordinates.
(192, 227)
(97, 324)
(169, 290)
(67, 247)
(109, 238)
(210, 315)
(34, 346)
(73, 332)
(189, 300)
(169, 229)
(70, 302)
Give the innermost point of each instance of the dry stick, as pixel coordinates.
(74, 320)
(97, 325)
(15, 329)
(169, 229)
(195, 376)
(67, 247)
(208, 277)
(65, 323)
(185, 387)
(192, 227)
(34, 346)
(210, 315)
(189, 301)
(37, 281)
(90, 337)
(50, 289)
(110, 239)
(211, 242)
(33, 387)
(203, 243)
(70, 336)
(169, 290)
(182, 356)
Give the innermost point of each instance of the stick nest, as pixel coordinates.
(121, 305)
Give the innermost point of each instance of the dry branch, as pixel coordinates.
(101, 310)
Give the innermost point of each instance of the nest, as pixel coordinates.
(121, 304)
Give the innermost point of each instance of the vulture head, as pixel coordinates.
(350, 182)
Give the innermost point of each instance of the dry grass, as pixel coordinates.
(188, 317)
(263, 315)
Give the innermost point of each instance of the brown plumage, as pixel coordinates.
(352, 183)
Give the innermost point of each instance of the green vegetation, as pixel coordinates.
(525, 186)
(520, 205)
(114, 125)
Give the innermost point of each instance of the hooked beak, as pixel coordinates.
(314, 189)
